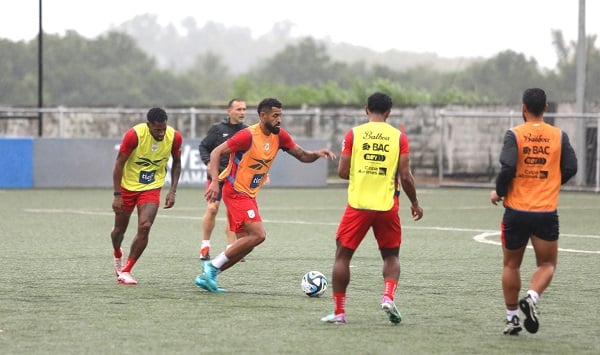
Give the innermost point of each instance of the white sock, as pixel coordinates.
(220, 260)
(511, 313)
(534, 295)
(205, 243)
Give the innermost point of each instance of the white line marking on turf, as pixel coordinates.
(482, 238)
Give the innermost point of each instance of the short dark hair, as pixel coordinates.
(534, 100)
(379, 103)
(156, 114)
(266, 105)
(230, 103)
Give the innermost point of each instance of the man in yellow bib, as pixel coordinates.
(536, 159)
(376, 159)
(138, 176)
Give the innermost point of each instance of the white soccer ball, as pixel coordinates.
(314, 284)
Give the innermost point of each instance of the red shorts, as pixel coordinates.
(356, 223)
(241, 208)
(137, 198)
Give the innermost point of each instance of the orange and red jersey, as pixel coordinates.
(251, 157)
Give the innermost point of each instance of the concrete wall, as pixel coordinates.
(80, 162)
(461, 147)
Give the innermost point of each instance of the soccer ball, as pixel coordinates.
(314, 284)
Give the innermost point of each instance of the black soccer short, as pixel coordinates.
(519, 226)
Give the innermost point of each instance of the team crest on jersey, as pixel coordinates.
(251, 213)
(267, 146)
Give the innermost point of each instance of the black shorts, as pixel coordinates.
(519, 226)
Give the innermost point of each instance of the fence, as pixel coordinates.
(468, 137)
(449, 146)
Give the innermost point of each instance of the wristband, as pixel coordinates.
(116, 194)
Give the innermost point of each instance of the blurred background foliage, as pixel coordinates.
(141, 63)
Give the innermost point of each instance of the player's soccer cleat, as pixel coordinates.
(332, 318)
(125, 278)
(389, 307)
(513, 327)
(529, 308)
(201, 282)
(210, 275)
(205, 253)
(118, 263)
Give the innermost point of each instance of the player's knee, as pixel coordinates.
(145, 226)
(211, 211)
(259, 238)
(549, 265)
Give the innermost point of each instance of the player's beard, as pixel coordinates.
(272, 129)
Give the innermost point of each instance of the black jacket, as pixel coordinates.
(217, 134)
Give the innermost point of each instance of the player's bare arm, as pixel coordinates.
(408, 186)
(344, 166)
(307, 156)
(213, 171)
(117, 204)
(175, 173)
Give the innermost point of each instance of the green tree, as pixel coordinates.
(305, 63)
(210, 79)
(502, 78)
(19, 78)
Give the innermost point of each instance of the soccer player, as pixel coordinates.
(251, 152)
(138, 177)
(375, 159)
(536, 159)
(217, 134)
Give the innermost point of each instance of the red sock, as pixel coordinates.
(118, 253)
(390, 288)
(339, 301)
(129, 265)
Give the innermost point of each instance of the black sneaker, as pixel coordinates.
(513, 327)
(529, 308)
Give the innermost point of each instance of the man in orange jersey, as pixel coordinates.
(251, 152)
(536, 159)
(138, 177)
(375, 159)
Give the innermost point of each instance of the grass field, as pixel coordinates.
(58, 293)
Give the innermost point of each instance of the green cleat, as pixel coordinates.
(390, 308)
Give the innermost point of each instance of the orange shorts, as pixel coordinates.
(137, 198)
(356, 223)
(241, 208)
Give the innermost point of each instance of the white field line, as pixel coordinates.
(481, 237)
